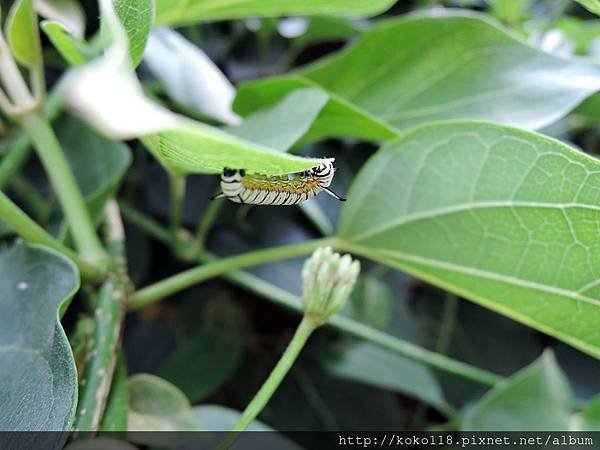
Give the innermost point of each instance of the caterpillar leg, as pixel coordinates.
(333, 194)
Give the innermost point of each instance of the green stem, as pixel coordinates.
(187, 278)
(266, 391)
(364, 332)
(448, 322)
(19, 148)
(206, 222)
(23, 225)
(145, 223)
(177, 189)
(109, 315)
(65, 186)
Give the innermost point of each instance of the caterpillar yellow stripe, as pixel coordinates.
(256, 189)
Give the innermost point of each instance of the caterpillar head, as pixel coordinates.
(323, 172)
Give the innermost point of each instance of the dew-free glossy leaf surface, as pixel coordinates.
(178, 12)
(535, 398)
(505, 217)
(38, 382)
(420, 68)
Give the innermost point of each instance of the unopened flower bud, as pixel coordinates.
(328, 279)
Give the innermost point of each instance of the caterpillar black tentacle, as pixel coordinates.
(277, 190)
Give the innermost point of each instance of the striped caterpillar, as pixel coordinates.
(256, 189)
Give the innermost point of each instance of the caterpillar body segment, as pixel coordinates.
(291, 189)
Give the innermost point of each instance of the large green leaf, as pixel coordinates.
(505, 217)
(420, 68)
(178, 12)
(22, 33)
(535, 398)
(38, 381)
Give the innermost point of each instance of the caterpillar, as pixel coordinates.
(291, 189)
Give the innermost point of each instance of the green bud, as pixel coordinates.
(328, 279)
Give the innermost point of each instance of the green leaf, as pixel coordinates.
(535, 398)
(157, 405)
(502, 216)
(107, 94)
(22, 33)
(69, 47)
(38, 381)
(366, 363)
(199, 148)
(180, 12)
(115, 415)
(285, 123)
(466, 66)
(98, 164)
(337, 118)
(591, 415)
(590, 5)
(137, 17)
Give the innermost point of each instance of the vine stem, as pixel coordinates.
(18, 149)
(109, 315)
(269, 387)
(187, 278)
(65, 186)
(29, 230)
